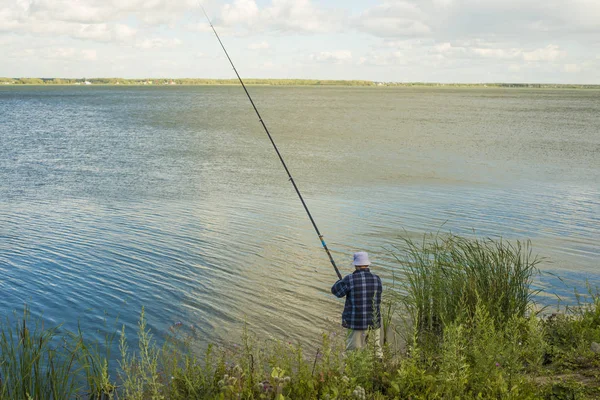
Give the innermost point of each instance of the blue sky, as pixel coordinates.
(550, 41)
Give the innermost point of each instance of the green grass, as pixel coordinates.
(472, 334)
(33, 364)
(445, 278)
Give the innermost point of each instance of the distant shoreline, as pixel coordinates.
(275, 82)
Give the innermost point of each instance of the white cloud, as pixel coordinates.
(38, 19)
(69, 11)
(281, 16)
(514, 67)
(449, 49)
(572, 68)
(497, 53)
(155, 43)
(59, 54)
(96, 32)
(301, 15)
(259, 46)
(382, 59)
(575, 16)
(99, 20)
(201, 26)
(474, 50)
(394, 27)
(98, 11)
(404, 44)
(548, 53)
(394, 19)
(241, 11)
(467, 40)
(123, 32)
(90, 55)
(519, 19)
(338, 57)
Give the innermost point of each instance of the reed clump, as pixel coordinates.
(446, 277)
(472, 333)
(33, 364)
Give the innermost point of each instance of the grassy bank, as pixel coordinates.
(463, 307)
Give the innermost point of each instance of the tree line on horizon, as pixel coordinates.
(182, 81)
(273, 82)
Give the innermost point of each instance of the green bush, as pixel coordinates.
(570, 334)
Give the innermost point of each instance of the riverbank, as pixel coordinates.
(474, 334)
(276, 82)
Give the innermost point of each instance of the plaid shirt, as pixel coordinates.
(363, 291)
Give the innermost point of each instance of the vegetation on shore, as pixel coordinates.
(183, 81)
(275, 82)
(464, 308)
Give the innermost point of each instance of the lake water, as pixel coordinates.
(172, 198)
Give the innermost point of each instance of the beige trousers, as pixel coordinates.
(358, 338)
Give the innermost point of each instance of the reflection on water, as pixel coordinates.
(172, 198)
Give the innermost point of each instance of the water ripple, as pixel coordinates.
(118, 198)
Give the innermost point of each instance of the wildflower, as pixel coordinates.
(265, 386)
(178, 323)
(359, 393)
(345, 379)
(498, 364)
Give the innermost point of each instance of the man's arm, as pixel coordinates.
(340, 288)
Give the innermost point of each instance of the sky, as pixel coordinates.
(467, 41)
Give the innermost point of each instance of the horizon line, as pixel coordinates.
(314, 81)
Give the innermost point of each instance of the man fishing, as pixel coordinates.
(361, 315)
(361, 288)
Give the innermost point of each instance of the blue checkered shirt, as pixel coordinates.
(363, 290)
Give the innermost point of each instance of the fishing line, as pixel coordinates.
(275, 147)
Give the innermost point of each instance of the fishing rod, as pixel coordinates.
(275, 147)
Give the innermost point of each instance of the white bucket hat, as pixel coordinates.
(361, 258)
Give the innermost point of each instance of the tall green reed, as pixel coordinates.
(447, 276)
(35, 361)
(93, 368)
